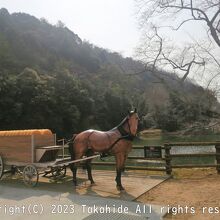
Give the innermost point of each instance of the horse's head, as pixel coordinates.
(133, 122)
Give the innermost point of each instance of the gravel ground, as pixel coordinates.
(193, 194)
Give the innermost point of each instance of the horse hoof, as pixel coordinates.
(120, 188)
(75, 184)
(93, 184)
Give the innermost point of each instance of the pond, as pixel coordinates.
(161, 139)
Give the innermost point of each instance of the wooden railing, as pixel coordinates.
(169, 156)
(166, 159)
(145, 161)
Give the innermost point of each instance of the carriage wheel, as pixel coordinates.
(1, 167)
(59, 171)
(30, 175)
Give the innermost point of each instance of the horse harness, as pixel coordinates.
(124, 135)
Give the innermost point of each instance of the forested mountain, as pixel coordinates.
(50, 78)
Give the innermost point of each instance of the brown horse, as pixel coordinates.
(117, 142)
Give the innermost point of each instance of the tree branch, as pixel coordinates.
(215, 16)
(201, 16)
(192, 9)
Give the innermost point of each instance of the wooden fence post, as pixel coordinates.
(217, 147)
(168, 159)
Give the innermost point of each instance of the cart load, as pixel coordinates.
(25, 146)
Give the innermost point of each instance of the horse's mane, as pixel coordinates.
(122, 122)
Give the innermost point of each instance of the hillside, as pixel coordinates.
(50, 78)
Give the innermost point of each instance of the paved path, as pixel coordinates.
(59, 200)
(29, 204)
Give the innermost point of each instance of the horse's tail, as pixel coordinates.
(71, 142)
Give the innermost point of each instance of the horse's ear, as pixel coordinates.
(135, 110)
(129, 112)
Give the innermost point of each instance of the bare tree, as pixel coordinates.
(207, 11)
(161, 18)
(156, 54)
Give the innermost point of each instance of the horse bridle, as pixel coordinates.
(123, 132)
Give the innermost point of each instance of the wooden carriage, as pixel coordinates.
(29, 151)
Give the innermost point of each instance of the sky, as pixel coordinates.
(109, 24)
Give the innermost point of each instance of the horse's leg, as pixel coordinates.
(120, 161)
(73, 168)
(89, 171)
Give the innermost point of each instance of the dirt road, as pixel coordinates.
(193, 194)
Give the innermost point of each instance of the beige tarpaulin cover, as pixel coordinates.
(26, 132)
